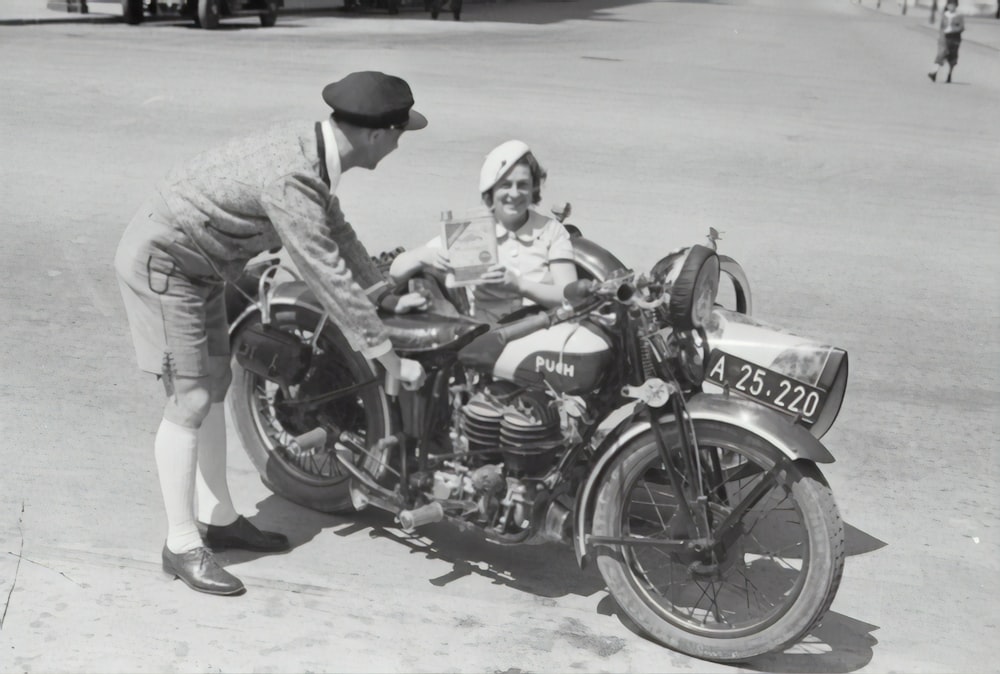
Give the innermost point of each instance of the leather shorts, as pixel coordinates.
(173, 297)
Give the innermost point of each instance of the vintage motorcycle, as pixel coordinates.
(673, 440)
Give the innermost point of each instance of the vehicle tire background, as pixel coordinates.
(330, 495)
(208, 13)
(269, 17)
(826, 547)
(132, 11)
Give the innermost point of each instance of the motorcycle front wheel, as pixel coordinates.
(339, 393)
(764, 589)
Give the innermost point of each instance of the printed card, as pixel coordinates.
(471, 243)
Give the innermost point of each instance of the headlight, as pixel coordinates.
(693, 291)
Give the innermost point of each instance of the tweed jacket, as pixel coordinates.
(273, 188)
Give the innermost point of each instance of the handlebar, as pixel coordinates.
(525, 326)
(625, 289)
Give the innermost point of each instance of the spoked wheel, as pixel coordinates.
(760, 590)
(340, 392)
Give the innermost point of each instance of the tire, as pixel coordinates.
(132, 11)
(270, 17)
(209, 12)
(265, 421)
(778, 576)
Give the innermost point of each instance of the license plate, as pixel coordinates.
(766, 386)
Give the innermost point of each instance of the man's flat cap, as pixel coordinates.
(374, 100)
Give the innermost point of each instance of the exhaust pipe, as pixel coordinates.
(418, 517)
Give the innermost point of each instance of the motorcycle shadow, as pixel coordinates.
(839, 645)
(547, 570)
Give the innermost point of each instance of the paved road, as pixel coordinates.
(860, 197)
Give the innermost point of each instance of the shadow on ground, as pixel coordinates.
(839, 645)
(548, 570)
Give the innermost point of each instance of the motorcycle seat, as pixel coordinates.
(426, 333)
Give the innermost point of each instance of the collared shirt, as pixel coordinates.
(255, 193)
(528, 252)
(332, 155)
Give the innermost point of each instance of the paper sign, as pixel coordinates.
(471, 244)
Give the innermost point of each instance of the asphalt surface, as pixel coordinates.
(861, 199)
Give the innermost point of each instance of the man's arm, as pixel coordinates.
(326, 251)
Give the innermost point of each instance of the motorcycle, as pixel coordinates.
(669, 440)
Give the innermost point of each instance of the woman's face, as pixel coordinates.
(512, 196)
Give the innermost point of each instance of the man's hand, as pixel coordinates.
(409, 372)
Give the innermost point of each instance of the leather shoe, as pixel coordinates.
(200, 570)
(242, 534)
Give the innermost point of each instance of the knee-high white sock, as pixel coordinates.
(215, 505)
(176, 450)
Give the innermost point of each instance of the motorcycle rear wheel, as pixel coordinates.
(266, 418)
(773, 583)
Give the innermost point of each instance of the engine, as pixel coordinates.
(505, 440)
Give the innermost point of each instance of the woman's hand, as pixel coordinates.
(436, 258)
(505, 277)
(401, 304)
(415, 301)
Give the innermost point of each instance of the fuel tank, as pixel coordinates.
(569, 357)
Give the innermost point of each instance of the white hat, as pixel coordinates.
(499, 162)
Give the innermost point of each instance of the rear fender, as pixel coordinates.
(792, 440)
(292, 293)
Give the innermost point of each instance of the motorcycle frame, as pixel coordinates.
(792, 440)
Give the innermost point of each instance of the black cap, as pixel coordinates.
(374, 100)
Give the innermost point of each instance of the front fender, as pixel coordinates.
(792, 440)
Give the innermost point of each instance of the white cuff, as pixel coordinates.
(374, 291)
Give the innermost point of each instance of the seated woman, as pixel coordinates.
(534, 251)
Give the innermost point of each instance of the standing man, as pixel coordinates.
(949, 40)
(201, 226)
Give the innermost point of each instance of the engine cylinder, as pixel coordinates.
(530, 434)
(481, 422)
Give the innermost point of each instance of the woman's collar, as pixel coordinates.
(529, 231)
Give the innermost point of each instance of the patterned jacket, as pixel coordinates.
(275, 188)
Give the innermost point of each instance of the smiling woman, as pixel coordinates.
(535, 256)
